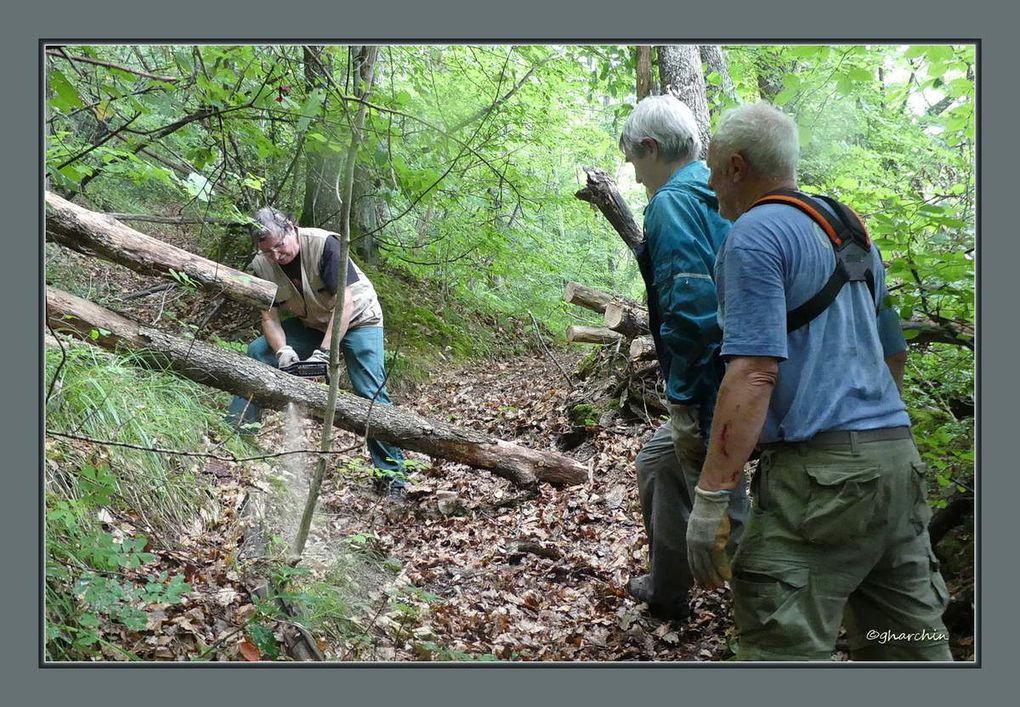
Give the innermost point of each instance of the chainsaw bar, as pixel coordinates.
(306, 369)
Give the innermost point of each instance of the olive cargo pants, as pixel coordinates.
(839, 533)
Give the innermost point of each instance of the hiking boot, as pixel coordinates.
(640, 588)
(387, 487)
(396, 494)
(680, 612)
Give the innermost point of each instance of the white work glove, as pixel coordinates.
(286, 356)
(319, 356)
(708, 529)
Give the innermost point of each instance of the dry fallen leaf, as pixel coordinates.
(249, 651)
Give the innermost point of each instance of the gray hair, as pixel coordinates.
(669, 122)
(765, 136)
(268, 221)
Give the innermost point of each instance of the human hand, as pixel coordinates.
(286, 356)
(708, 529)
(318, 356)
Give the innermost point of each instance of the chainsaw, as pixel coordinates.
(308, 369)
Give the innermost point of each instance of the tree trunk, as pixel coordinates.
(955, 512)
(322, 206)
(680, 74)
(591, 335)
(602, 192)
(643, 69)
(590, 298)
(628, 320)
(268, 387)
(95, 234)
(367, 210)
(365, 216)
(722, 92)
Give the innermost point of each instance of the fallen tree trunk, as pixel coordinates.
(96, 234)
(628, 320)
(268, 387)
(602, 192)
(578, 334)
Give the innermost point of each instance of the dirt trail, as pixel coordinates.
(459, 538)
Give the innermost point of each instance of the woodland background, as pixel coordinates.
(464, 215)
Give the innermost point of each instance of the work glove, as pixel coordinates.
(708, 529)
(318, 356)
(286, 356)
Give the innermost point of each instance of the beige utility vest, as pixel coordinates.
(313, 304)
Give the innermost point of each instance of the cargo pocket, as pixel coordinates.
(921, 514)
(840, 504)
(766, 603)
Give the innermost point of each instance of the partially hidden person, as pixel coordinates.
(682, 233)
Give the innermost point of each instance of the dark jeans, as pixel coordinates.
(362, 350)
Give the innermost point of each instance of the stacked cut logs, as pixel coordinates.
(624, 321)
(621, 377)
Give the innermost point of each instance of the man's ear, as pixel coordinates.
(739, 167)
(650, 145)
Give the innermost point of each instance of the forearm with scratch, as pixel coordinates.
(739, 416)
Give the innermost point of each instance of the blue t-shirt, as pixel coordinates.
(832, 371)
(683, 232)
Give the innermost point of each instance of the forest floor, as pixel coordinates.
(470, 567)
(515, 575)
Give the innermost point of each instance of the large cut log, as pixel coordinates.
(269, 387)
(602, 192)
(591, 335)
(590, 298)
(628, 320)
(96, 234)
(642, 348)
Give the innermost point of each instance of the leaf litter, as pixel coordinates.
(487, 570)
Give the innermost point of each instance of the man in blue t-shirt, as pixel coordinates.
(683, 231)
(838, 530)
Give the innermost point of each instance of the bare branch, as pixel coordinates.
(110, 65)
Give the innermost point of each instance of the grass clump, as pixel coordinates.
(96, 577)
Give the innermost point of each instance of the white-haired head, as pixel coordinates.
(764, 136)
(666, 120)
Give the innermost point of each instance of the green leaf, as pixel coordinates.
(254, 182)
(860, 74)
(66, 96)
(198, 186)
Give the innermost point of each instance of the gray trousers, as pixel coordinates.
(668, 467)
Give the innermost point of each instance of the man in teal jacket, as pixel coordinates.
(683, 231)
